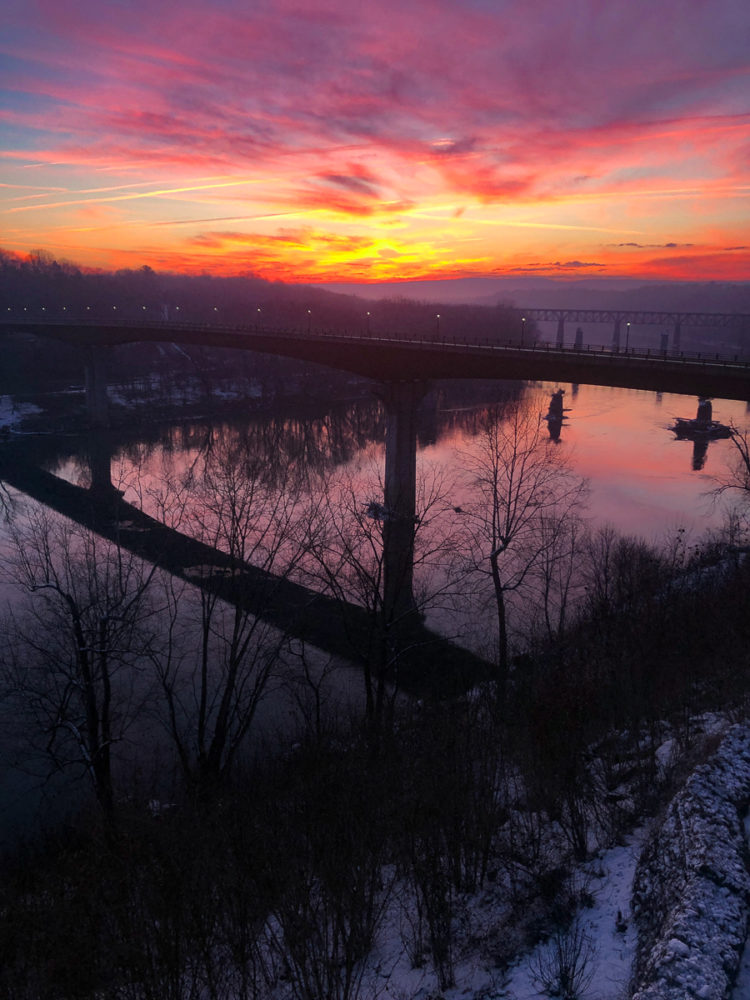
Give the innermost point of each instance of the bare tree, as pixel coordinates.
(737, 479)
(564, 968)
(556, 578)
(6, 502)
(74, 651)
(347, 557)
(620, 572)
(216, 676)
(519, 484)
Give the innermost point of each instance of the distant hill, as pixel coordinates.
(548, 292)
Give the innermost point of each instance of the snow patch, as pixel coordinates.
(692, 889)
(12, 413)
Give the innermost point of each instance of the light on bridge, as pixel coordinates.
(627, 337)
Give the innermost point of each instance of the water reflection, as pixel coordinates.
(641, 479)
(555, 415)
(700, 451)
(701, 429)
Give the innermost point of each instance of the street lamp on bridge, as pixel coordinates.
(437, 321)
(523, 328)
(627, 337)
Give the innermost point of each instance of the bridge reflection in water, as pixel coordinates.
(426, 661)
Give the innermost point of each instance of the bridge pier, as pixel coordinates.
(560, 330)
(402, 401)
(676, 337)
(616, 336)
(100, 465)
(96, 386)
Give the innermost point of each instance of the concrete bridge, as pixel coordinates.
(404, 366)
(390, 358)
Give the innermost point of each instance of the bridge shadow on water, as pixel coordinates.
(426, 662)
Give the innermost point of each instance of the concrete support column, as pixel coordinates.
(616, 336)
(96, 386)
(100, 464)
(560, 330)
(676, 337)
(402, 401)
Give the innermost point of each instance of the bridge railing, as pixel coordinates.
(526, 345)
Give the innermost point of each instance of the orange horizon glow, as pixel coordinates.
(301, 143)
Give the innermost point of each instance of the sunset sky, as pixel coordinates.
(349, 141)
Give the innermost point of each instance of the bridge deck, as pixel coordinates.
(406, 359)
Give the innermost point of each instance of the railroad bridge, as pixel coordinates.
(622, 320)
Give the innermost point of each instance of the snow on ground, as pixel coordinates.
(12, 413)
(742, 986)
(607, 925)
(691, 899)
(692, 887)
(188, 391)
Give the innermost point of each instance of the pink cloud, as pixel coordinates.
(367, 113)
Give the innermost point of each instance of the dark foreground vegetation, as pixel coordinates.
(277, 880)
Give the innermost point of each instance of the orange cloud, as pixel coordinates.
(408, 139)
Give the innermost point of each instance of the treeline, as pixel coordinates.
(41, 286)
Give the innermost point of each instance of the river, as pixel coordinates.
(642, 480)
